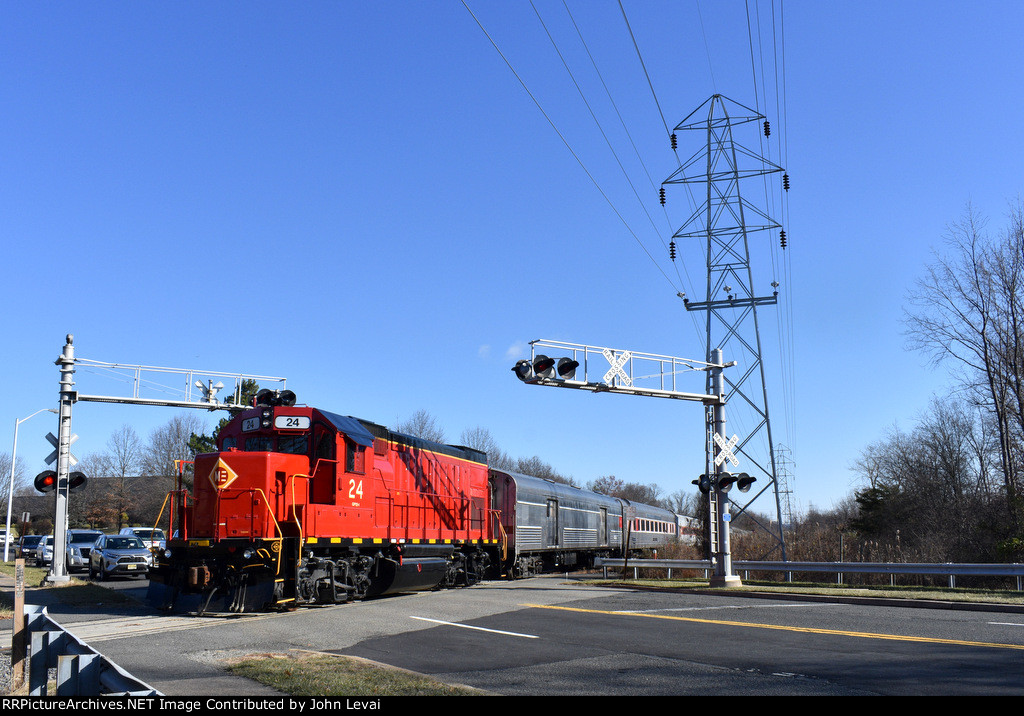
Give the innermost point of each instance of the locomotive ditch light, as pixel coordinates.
(544, 367)
(744, 481)
(523, 369)
(567, 368)
(46, 481)
(76, 481)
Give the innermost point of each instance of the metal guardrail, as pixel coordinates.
(81, 670)
(952, 570)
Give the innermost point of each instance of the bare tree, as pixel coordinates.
(422, 425)
(968, 311)
(481, 439)
(538, 468)
(170, 443)
(123, 459)
(5, 473)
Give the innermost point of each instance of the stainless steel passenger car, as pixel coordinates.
(551, 525)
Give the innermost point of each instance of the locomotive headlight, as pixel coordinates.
(167, 554)
(248, 553)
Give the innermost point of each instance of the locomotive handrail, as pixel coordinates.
(295, 515)
(160, 514)
(270, 511)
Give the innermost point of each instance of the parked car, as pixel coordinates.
(119, 555)
(4, 539)
(79, 546)
(27, 546)
(44, 551)
(152, 538)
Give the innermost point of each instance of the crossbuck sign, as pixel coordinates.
(725, 453)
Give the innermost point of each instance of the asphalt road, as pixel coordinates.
(549, 636)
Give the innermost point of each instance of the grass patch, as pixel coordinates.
(317, 674)
(74, 592)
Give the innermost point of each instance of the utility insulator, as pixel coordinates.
(785, 182)
(767, 128)
(672, 250)
(673, 141)
(782, 238)
(661, 194)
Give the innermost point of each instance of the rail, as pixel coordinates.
(81, 670)
(951, 570)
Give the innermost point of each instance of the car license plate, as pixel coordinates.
(133, 566)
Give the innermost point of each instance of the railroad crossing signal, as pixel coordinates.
(545, 367)
(72, 460)
(616, 362)
(46, 481)
(725, 453)
(724, 482)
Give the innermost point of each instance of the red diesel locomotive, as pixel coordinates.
(303, 506)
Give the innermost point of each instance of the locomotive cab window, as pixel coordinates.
(355, 457)
(294, 444)
(259, 443)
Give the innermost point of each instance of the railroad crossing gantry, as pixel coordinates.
(203, 380)
(657, 379)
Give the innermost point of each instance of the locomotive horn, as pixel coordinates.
(287, 398)
(263, 397)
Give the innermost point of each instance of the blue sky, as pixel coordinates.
(364, 199)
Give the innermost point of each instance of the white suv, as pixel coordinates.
(152, 538)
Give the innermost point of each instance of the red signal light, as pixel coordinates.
(46, 481)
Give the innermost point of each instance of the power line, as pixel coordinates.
(567, 145)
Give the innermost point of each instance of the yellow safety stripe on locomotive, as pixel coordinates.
(397, 446)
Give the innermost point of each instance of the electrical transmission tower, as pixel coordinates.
(722, 225)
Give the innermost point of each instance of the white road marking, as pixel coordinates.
(467, 626)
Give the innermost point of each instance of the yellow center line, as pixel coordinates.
(806, 630)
